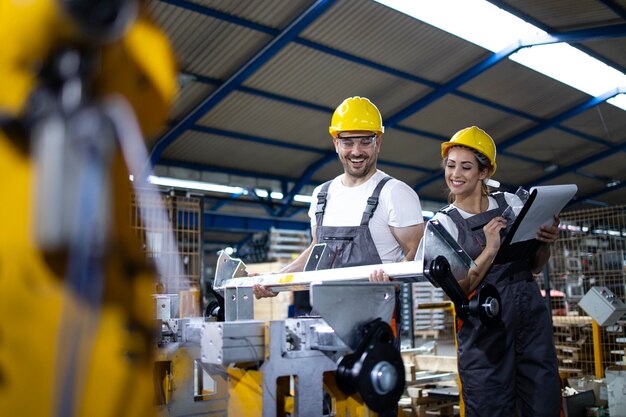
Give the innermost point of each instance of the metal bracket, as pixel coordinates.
(238, 304)
(336, 304)
(227, 268)
(438, 242)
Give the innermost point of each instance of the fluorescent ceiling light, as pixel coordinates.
(492, 28)
(218, 188)
(196, 185)
(275, 195)
(303, 198)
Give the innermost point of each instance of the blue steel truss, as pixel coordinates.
(316, 9)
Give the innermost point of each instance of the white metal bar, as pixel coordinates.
(409, 271)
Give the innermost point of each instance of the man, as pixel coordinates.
(363, 216)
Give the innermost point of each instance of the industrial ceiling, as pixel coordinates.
(260, 80)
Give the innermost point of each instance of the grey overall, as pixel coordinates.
(345, 246)
(515, 364)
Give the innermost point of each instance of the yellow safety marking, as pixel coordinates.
(286, 279)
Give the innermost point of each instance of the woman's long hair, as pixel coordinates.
(483, 164)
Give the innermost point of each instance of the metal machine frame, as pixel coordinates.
(350, 338)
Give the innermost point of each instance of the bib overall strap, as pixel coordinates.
(372, 202)
(500, 199)
(321, 203)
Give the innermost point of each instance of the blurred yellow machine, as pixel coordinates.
(77, 321)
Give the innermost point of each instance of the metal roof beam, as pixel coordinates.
(249, 68)
(590, 34)
(256, 139)
(591, 196)
(243, 224)
(549, 29)
(227, 171)
(273, 142)
(497, 57)
(587, 161)
(615, 7)
(568, 114)
(306, 177)
(406, 129)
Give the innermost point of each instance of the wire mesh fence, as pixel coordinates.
(590, 252)
(169, 227)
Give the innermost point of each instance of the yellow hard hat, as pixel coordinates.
(356, 113)
(474, 138)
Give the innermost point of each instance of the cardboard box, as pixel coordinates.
(615, 377)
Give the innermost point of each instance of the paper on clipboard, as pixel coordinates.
(549, 201)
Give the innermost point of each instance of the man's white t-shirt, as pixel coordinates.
(398, 206)
(445, 220)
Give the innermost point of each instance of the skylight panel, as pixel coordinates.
(476, 21)
(494, 29)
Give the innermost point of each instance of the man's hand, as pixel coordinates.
(262, 292)
(259, 290)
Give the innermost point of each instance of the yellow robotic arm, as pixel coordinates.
(136, 57)
(75, 347)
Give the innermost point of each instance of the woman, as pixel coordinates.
(513, 366)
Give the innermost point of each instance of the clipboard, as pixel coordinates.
(542, 204)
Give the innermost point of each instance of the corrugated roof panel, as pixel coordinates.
(556, 146)
(273, 13)
(301, 73)
(605, 121)
(515, 172)
(451, 113)
(408, 149)
(237, 154)
(205, 45)
(270, 119)
(507, 84)
(383, 35)
(613, 49)
(611, 167)
(189, 96)
(564, 15)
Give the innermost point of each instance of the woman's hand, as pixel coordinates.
(379, 276)
(492, 233)
(549, 234)
(546, 235)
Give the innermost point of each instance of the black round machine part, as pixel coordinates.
(375, 370)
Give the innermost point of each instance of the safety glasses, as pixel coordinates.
(363, 141)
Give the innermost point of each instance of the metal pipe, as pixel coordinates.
(411, 271)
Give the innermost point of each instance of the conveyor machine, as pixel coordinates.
(342, 362)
